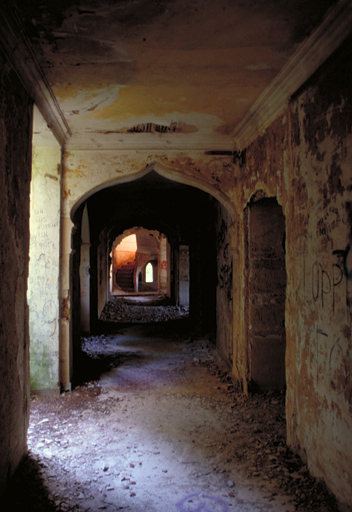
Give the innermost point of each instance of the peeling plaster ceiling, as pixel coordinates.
(191, 67)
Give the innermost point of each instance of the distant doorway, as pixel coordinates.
(139, 262)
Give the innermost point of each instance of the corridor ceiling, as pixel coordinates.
(146, 70)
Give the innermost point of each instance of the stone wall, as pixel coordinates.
(319, 362)
(15, 172)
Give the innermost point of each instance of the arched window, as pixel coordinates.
(149, 278)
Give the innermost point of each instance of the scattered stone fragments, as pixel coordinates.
(154, 308)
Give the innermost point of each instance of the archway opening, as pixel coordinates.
(139, 263)
(183, 216)
(123, 264)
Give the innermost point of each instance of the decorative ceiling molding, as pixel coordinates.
(336, 27)
(19, 53)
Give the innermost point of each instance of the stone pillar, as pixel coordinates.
(163, 266)
(44, 267)
(64, 291)
(184, 275)
(85, 273)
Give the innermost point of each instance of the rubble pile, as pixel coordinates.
(142, 309)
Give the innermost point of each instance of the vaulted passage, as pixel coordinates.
(187, 218)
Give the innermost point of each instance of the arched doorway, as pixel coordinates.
(266, 293)
(139, 262)
(186, 215)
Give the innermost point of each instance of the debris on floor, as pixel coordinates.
(163, 429)
(142, 309)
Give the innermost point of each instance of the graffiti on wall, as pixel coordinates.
(346, 261)
(339, 368)
(226, 272)
(327, 288)
(324, 283)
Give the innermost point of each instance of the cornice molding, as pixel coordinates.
(19, 53)
(336, 27)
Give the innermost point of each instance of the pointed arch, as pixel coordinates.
(149, 274)
(167, 173)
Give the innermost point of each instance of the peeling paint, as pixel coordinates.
(234, 49)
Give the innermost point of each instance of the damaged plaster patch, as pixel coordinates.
(89, 99)
(174, 127)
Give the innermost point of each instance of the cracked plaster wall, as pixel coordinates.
(304, 159)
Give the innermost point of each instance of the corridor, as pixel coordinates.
(219, 135)
(157, 427)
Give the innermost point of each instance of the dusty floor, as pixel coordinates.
(160, 429)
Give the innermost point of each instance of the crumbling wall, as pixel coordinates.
(304, 160)
(43, 285)
(319, 362)
(15, 171)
